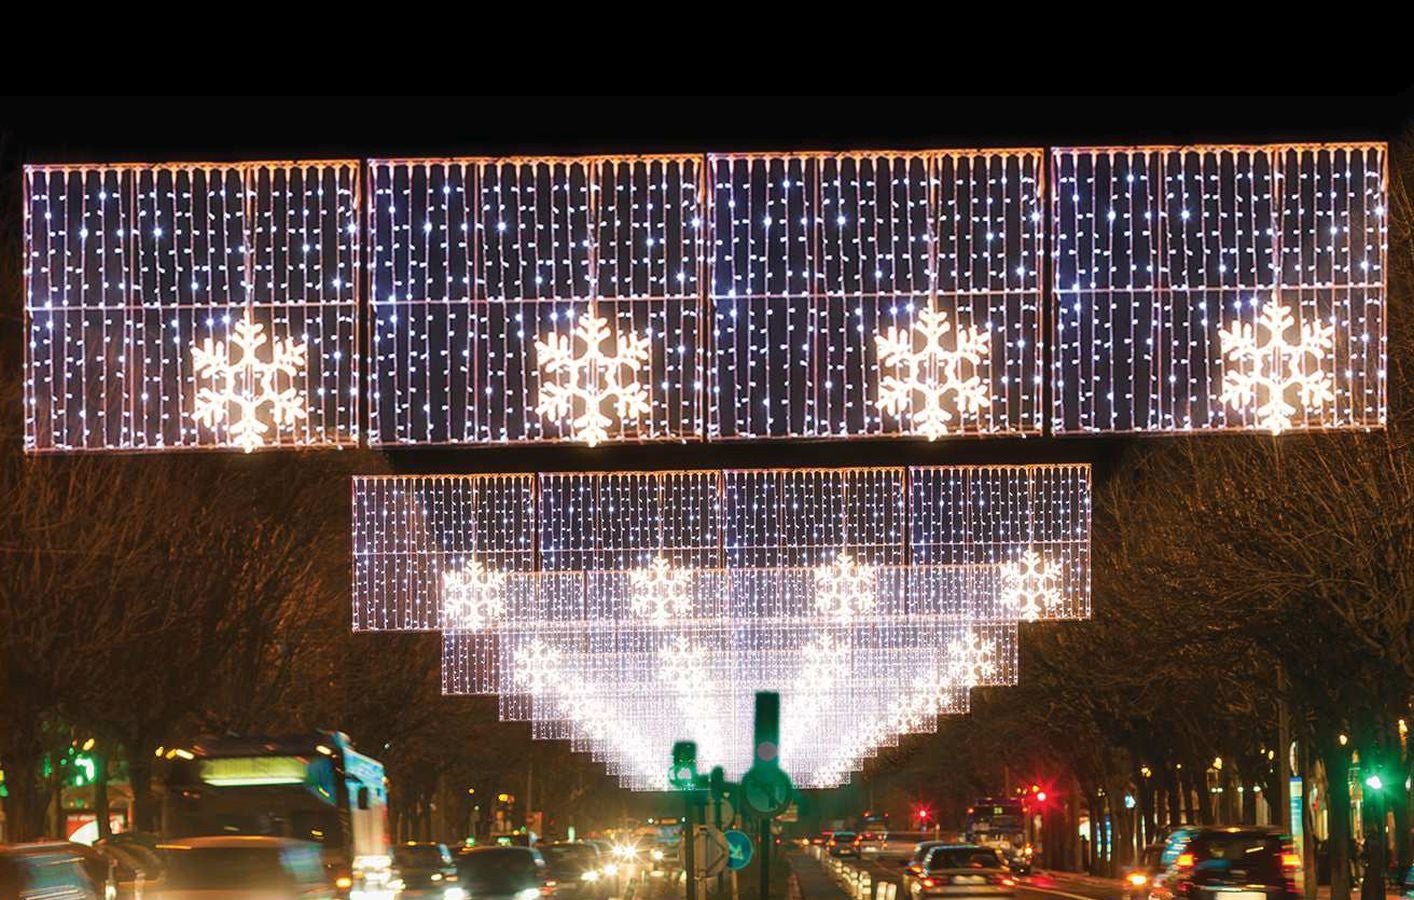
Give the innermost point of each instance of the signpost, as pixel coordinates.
(712, 851)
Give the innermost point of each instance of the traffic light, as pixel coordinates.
(683, 774)
(767, 749)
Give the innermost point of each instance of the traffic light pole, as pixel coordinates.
(765, 858)
(689, 852)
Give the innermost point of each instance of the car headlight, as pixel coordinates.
(436, 876)
(527, 894)
(590, 875)
(611, 869)
(657, 855)
(625, 851)
(454, 893)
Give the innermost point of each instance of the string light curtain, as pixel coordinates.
(1213, 288)
(876, 293)
(625, 610)
(536, 299)
(191, 305)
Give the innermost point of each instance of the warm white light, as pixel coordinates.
(237, 385)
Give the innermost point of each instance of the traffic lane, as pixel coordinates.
(1030, 887)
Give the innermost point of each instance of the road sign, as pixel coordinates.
(711, 852)
(740, 849)
(767, 790)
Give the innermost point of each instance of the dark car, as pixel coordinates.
(502, 873)
(963, 870)
(841, 843)
(133, 864)
(49, 871)
(427, 870)
(1228, 863)
(574, 870)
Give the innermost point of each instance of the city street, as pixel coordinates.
(674, 497)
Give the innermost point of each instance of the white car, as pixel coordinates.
(250, 867)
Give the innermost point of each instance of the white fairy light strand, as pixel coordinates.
(130, 268)
(1158, 251)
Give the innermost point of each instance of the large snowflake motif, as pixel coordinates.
(682, 667)
(239, 383)
(660, 593)
(971, 660)
(933, 383)
(536, 666)
(1267, 374)
(581, 382)
(472, 597)
(1030, 586)
(844, 589)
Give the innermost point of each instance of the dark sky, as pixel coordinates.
(159, 129)
(233, 128)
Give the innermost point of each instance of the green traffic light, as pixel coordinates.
(1375, 783)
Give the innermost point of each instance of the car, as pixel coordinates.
(963, 870)
(841, 843)
(133, 864)
(913, 864)
(574, 870)
(609, 862)
(240, 866)
(894, 846)
(52, 871)
(1138, 877)
(1233, 862)
(427, 870)
(503, 873)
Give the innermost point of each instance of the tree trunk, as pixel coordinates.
(24, 805)
(144, 810)
(1337, 763)
(1403, 827)
(1372, 887)
(100, 791)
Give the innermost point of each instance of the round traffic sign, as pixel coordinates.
(766, 790)
(740, 849)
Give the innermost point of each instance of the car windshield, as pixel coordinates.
(964, 858)
(843, 837)
(1237, 858)
(426, 856)
(568, 858)
(227, 868)
(498, 868)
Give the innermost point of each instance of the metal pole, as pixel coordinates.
(689, 851)
(765, 858)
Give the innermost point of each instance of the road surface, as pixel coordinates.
(816, 885)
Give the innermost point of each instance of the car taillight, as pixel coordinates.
(1138, 879)
(1185, 861)
(1003, 879)
(929, 882)
(1290, 861)
(343, 882)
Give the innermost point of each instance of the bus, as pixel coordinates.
(312, 787)
(1001, 824)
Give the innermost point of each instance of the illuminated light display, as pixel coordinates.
(485, 274)
(634, 609)
(473, 597)
(237, 384)
(1219, 288)
(820, 262)
(136, 273)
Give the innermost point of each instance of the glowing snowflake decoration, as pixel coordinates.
(1267, 374)
(933, 383)
(682, 667)
(660, 593)
(239, 384)
(588, 382)
(971, 660)
(472, 597)
(844, 589)
(536, 667)
(1031, 586)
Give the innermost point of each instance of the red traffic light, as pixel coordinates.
(1040, 796)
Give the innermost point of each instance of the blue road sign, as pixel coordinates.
(739, 850)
